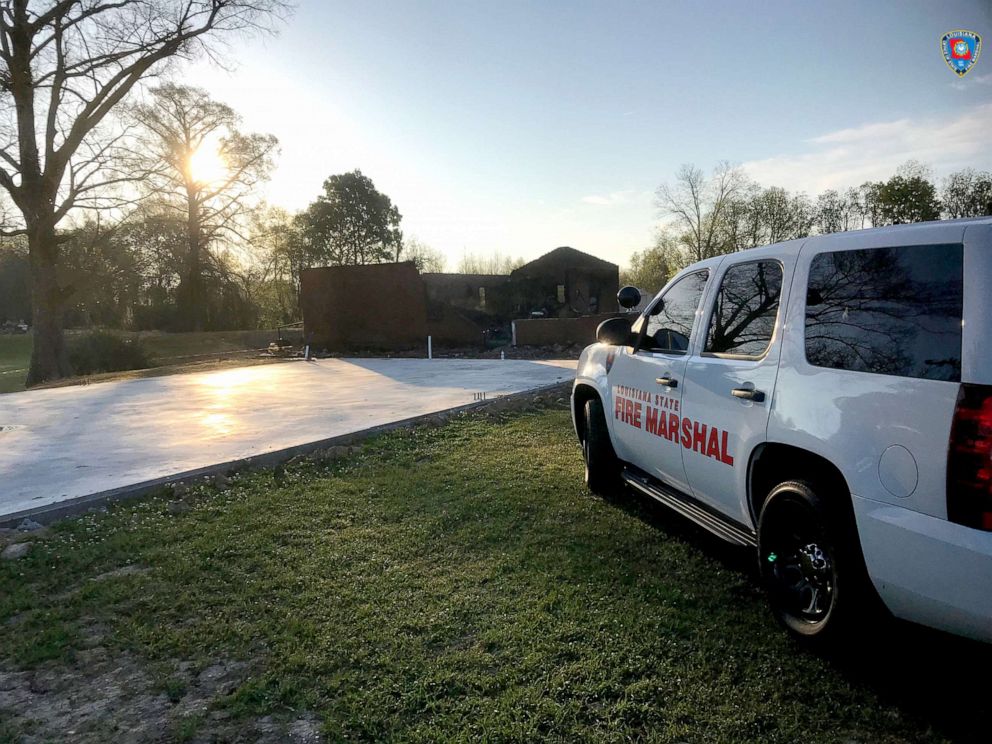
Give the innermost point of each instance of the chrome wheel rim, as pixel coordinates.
(799, 566)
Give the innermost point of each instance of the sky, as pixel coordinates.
(521, 126)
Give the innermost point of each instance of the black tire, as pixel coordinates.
(602, 465)
(811, 565)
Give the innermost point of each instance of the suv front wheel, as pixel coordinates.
(809, 566)
(602, 465)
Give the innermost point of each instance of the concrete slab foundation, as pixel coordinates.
(62, 446)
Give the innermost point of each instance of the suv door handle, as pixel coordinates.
(748, 394)
(667, 380)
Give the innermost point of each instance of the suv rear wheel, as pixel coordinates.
(810, 566)
(602, 465)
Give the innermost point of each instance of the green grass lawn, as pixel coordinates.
(459, 583)
(164, 348)
(168, 348)
(15, 353)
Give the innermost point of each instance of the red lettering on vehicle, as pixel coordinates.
(651, 420)
(713, 444)
(630, 403)
(724, 453)
(699, 437)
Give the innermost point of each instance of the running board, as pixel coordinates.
(690, 508)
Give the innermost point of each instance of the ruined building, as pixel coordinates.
(393, 306)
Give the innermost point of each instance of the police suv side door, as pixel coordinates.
(646, 381)
(730, 381)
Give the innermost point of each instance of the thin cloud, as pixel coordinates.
(873, 151)
(615, 198)
(971, 81)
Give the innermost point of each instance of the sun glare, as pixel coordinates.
(206, 165)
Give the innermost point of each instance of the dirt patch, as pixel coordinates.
(110, 696)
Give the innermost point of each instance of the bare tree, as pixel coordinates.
(697, 205)
(967, 193)
(785, 216)
(495, 263)
(66, 65)
(426, 258)
(200, 166)
(837, 212)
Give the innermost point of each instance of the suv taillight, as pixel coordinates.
(969, 459)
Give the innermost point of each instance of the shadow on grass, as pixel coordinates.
(934, 677)
(928, 675)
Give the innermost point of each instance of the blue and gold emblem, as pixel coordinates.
(961, 50)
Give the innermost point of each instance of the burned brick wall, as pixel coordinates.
(379, 306)
(566, 283)
(476, 292)
(393, 306)
(559, 331)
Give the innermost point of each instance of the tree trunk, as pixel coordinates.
(49, 356)
(190, 295)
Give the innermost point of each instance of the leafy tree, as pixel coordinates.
(100, 274)
(903, 200)
(870, 194)
(759, 216)
(649, 269)
(128, 274)
(427, 259)
(196, 163)
(158, 242)
(350, 223)
(784, 216)
(909, 196)
(64, 67)
(967, 193)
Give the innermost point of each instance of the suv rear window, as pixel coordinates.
(891, 311)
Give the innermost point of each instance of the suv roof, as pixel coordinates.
(872, 235)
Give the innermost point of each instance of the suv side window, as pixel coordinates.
(743, 318)
(670, 319)
(891, 311)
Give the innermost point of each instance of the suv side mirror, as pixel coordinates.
(629, 297)
(615, 332)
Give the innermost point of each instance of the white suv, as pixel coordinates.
(827, 400)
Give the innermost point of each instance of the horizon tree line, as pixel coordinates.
(706, 215)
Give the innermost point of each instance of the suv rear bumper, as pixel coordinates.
(926, 569)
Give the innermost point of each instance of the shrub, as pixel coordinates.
(107, 352)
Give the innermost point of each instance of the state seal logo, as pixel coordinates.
(961, 50)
